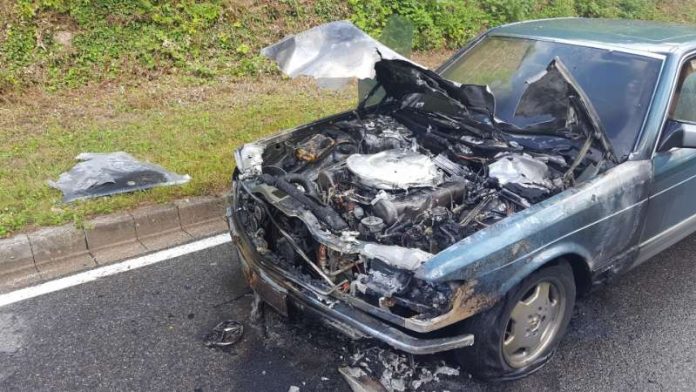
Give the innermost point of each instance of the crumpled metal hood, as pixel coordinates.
(336, 52)
(555, 92)
(404, 80)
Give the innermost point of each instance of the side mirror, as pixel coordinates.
(679, 135)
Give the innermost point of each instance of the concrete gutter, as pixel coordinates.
(52, 252)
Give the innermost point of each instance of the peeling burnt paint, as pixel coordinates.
(466, 302)
(330, 224)
(596, 221)
(323, 222)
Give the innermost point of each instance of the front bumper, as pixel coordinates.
(346, 318)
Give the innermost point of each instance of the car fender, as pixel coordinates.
(599, 221)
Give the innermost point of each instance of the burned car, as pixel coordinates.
(465, 208)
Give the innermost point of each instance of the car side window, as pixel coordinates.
(684, 103)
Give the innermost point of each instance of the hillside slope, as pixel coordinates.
(67, 43)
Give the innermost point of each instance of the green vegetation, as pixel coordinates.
(450, 23)
(68, 43)
(187, 129)
(178, 82)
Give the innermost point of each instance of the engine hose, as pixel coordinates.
(325, 214)
(308, 185)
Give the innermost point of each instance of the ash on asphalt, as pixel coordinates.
(394, 370)
(144, 330)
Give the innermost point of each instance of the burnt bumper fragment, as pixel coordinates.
(275, 287)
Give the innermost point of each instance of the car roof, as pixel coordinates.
(620, 34)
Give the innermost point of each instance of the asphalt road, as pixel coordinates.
(143, 330)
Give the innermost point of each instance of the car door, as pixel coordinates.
(671, 212)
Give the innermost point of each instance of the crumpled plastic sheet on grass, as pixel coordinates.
(333, 53)
(101, 174)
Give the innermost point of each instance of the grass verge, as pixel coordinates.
(179, 123)
(186, 129)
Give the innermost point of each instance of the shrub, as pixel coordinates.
(208, 38)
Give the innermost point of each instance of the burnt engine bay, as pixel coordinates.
(355, 204)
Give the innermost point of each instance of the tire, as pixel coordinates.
(495, 355)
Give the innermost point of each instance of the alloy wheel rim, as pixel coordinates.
(533, 324)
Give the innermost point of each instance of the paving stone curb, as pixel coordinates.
(202, 215)
(53, 252)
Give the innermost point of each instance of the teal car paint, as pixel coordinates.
(632, 200)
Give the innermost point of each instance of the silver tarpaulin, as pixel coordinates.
(332, 53)
(101, 174)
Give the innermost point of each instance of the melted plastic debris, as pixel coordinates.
(397, 256)
(357, 357)
(396, 372)
(520, 169)
(332, 53)
(250, 159)
(102, 174)
(359, 381)
(225, 334)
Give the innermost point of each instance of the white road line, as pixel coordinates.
(126, 265)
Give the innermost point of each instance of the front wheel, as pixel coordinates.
(520, 334)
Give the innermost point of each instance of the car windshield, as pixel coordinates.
(619, 85)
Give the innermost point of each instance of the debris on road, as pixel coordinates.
(256, 313)
(392, 371)
(225, 334)
(359, 381)
(364, 366)
(102, 174)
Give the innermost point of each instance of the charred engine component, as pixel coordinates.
(302, 183)
(394, 169)
(323, 213)
(253, 218)
(379, 133)
(440, 215)
(408, 206)
(333, 263)
(449, 167)
(445, 230)
(314, 148)
(383, 281)
(520, 169)
(370, 226)
(387, 140)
